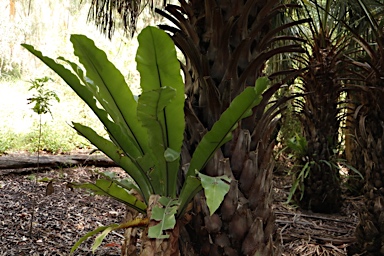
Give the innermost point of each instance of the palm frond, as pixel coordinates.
(110, 14)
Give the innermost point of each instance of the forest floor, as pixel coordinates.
(64, 216)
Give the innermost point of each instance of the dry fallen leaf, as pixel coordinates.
(49, 190)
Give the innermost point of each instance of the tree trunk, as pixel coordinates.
(320, 118)
(227, 45)
(245, 223)
(370, 230)
(355, 145)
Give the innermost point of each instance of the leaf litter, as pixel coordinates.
(63, 215)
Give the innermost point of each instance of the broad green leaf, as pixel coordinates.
(261, 85)
(126, 183)
(107, 174)
(111, 189)
(215, 188)
(86, 94)
(190, 188)
(221, 130)
(99, 239)
(150, 113)
(159, 67)
(45, 179)
(113, 152)
(171, 155)
(166, 217)
(109, 88)
(220, 133)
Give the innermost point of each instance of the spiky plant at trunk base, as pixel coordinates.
(227, 46)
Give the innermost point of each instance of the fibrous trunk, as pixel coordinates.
(227, 45)
(370, 230)
(245, 223)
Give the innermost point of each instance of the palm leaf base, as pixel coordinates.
(131, 235)
(369, 232)
(245, 223)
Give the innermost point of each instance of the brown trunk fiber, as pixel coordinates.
(131, 235)
(245, 223)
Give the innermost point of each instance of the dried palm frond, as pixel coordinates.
(109, 14)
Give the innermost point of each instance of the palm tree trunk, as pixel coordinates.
(371, 218)
(245, 223)
(320, 116)
(227, 45)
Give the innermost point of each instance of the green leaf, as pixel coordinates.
(261, 85)
(110, 175)
(166, 217)
(159, 67)
(215, 188)
(45, 179)
(220, 133)
(86, 93)
(99, 239)
(171, 155)
(112, 151)
(89, 234)
(354, 170)
(111, 189)
(190, 188)
(110, 89)
(126, 183)
(221, 130)
(150, 113)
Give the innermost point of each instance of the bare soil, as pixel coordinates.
(61, 218)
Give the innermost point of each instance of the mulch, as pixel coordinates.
(64, 216)
(307, 233)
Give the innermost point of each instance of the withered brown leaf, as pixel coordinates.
(49, 189)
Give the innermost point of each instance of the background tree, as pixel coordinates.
(360, 25)
(227, 47)
(368, 129)
(316, 178)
